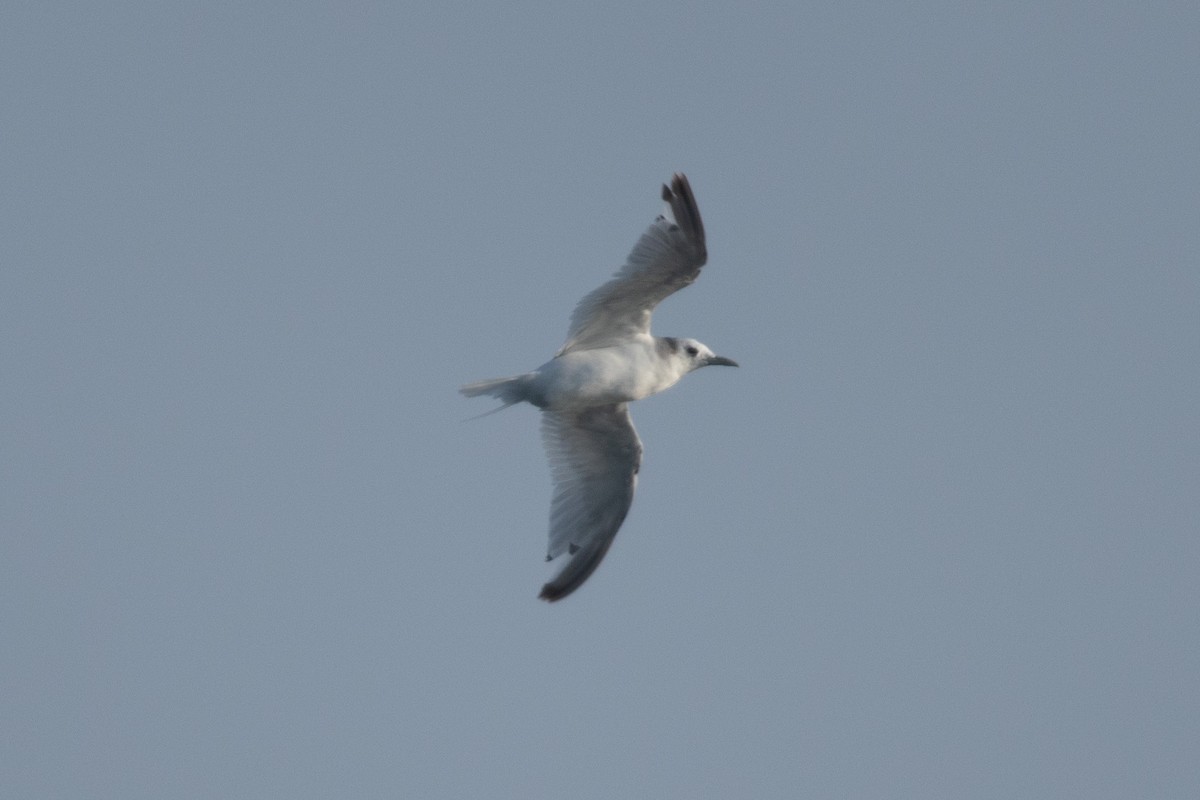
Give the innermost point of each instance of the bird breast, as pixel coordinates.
(602, 376)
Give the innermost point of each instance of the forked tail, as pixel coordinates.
(510, 391)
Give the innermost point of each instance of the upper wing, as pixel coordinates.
(667, 257)
(594, 458)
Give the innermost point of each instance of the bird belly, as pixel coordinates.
(600, 377)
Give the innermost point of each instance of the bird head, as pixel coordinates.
(697, 355)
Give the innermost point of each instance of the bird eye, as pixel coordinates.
(691, 351)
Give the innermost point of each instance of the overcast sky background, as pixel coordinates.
(939, 537)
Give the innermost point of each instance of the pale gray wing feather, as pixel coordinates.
(667, 258)
(594, 457)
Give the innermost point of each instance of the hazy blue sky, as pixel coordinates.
(939, 537)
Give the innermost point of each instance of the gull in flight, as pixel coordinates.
(610, 359)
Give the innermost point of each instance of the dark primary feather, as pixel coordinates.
(667, 257)
(582, 565)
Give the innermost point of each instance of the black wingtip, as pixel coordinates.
(687, 215)
(577, 570)
(678, 187)
(552, 593)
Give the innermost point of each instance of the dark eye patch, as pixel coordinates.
(691, 351)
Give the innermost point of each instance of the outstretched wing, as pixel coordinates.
(667, 257)
(594, 458)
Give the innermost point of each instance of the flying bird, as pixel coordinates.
(610, 359)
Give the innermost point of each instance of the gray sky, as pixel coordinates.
(937, 538)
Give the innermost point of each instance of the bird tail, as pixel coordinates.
(508, 390)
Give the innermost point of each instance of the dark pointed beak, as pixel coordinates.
(720, 361)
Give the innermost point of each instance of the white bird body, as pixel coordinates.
(620, 373)
(610, 359)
